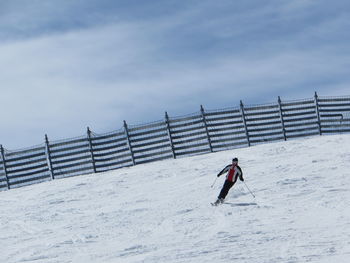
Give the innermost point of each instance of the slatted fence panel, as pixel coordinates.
(264, 123)
(150, 142)
(193, 134)
(3, 181)
(28, 166)
(226, 129)
(300, 118)
(189, 135)
(71, 157)
(110, 151)
(334, 114)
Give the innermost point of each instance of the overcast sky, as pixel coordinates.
(69, 64)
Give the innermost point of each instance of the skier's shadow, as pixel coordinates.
(240, 204)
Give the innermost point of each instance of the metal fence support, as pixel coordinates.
(318, 113)
(129, 143)
(91, 149)
(281, 116)
(48, 157)
(206, 128)
(244, 122)
(4, 166)
(169, 134)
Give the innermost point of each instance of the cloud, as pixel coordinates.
(98, 73)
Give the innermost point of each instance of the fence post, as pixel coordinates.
(48, 157)
(91, 149)
(4, 166)
(245, 122)
(318, 113)
(169, 134)
(281, 116)
(206, 128)
(129, 143)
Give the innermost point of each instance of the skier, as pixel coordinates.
(233, 172)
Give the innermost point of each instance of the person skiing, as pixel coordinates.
(233, 173)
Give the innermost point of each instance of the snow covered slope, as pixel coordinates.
(161, 212)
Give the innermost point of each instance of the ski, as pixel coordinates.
(217, 203)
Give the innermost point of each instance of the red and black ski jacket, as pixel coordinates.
(233, 172)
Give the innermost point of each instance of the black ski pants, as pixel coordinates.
(224, 191)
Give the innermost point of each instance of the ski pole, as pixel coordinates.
(214, 182)
(249, 189)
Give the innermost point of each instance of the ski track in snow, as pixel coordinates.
(161, 212)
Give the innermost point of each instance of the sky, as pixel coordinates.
(69, 64)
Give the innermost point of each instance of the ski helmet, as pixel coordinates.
(235, 160)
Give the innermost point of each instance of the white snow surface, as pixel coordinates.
(161, 212)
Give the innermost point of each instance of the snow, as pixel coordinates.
(161, 212)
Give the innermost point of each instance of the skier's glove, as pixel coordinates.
(218, 175)
(242, 180)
